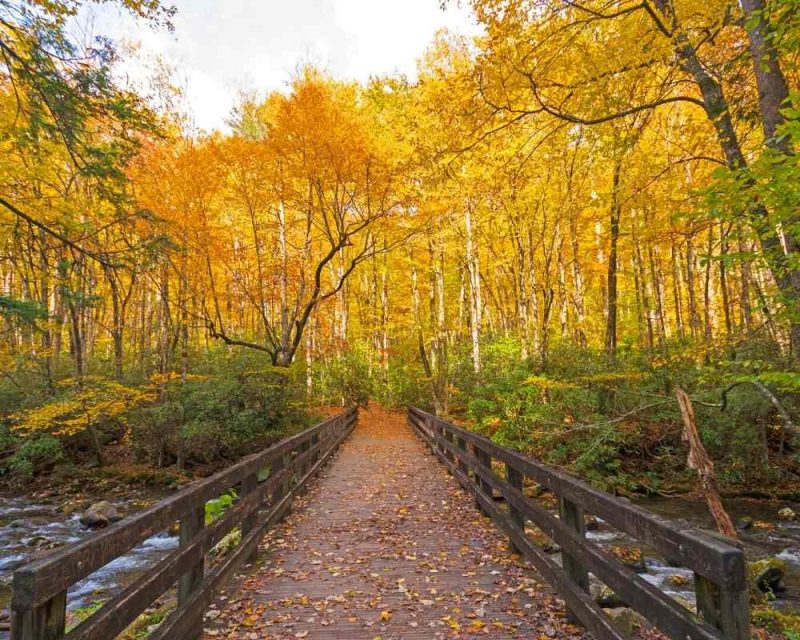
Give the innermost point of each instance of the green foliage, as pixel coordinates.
(777, 621)
(21, 311)
(63, 90)
(235, 402)
(82, 613)
(344, 379)
(619, 426)
(34, 454)
(216, 508)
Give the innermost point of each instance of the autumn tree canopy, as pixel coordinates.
(610, 184)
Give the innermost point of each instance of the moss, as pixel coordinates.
(76, 616)
(764, 575)
(138, 630)
(228, 543)
(786, 623)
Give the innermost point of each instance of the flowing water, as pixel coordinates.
(782, 541)
(26, 525)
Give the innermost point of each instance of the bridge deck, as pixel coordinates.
(386, 545)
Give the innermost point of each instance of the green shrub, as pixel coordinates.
(344, 379)
(234, 403)
(34, 455)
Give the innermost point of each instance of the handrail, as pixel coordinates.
(268, 479)
(719, 567)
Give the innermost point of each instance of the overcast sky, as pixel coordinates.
(220, 47)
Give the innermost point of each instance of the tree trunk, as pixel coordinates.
(708, 291)
(782, 263)
(611, 299)
(773, 90)
(694, 317)
(723, 280)
(746, 278)
(476, 303)
(577, 283)
(676, 291)
(44, 301)
(658, 285)
(116, 323)
(284, 358)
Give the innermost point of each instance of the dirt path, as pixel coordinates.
(387, 546)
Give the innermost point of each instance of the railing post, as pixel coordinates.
(250, 484)
(305, 466)
(438, 432)
(462, 447)
(571, 515)
(431, 440)
(314, 443)
(192, 523)
(45, 622)
(485, 460)
(514, 478)
(726, 609)
(447, 435)
(280, 490)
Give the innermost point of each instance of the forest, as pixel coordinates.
(542, 235)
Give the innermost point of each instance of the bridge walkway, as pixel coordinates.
(386, 545)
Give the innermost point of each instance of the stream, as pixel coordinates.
(781, 539)
(27, 524)
(28, 528)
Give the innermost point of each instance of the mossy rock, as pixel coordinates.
(606, 597)
(626, 620)
(678, 580)
(630, 556)
(766, 576)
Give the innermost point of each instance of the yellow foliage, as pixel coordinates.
(548, 383)
(79, 407)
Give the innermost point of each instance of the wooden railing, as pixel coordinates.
(266, 483)
(719, 568)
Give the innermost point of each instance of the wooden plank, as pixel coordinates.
(588, 611)
(191, 580)
(249, 485)
(721, 562)
(514, 478)
(482, 458)
(179, 623)
(37, 582)
(462, 446)
(666, 614)
(46, 621)
(36, 619)
(351, 510)
(572, 517)
(728, 611)
(115, 615)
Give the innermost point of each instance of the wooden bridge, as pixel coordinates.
(384, 544)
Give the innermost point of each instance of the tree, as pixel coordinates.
(575, 49)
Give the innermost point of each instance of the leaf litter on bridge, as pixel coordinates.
(387, 546)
